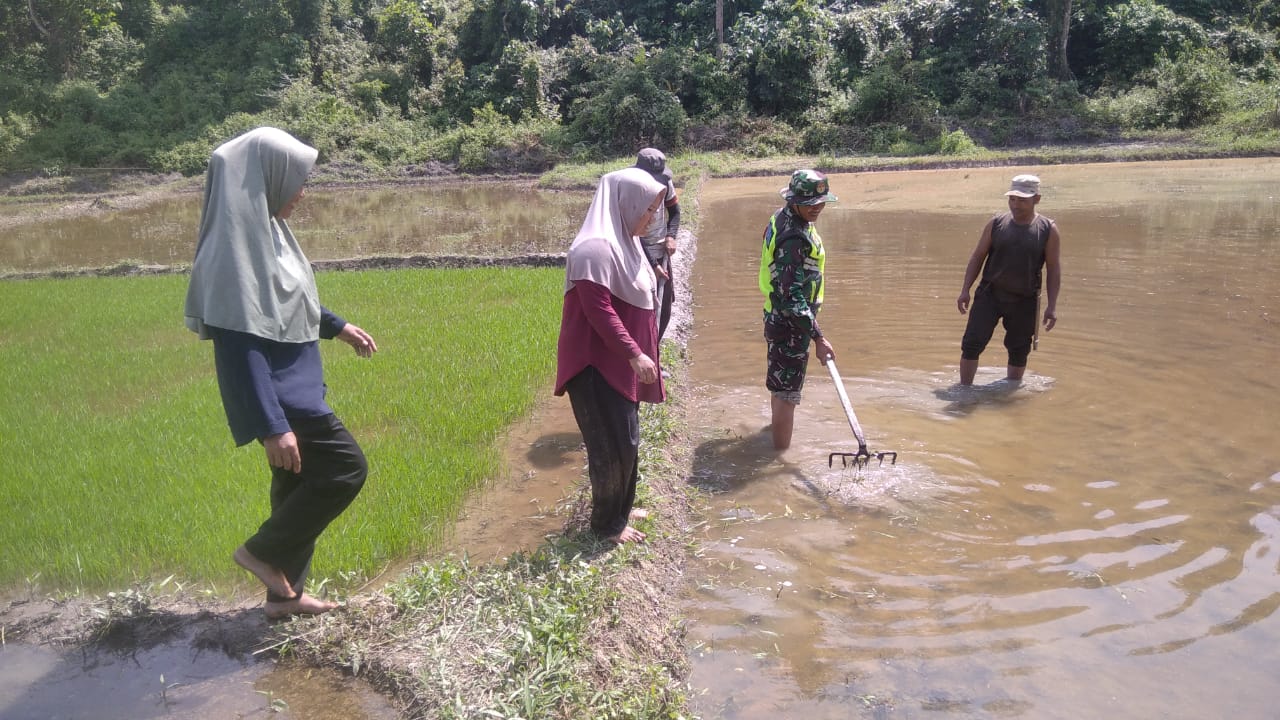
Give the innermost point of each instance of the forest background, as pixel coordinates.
(484, 86)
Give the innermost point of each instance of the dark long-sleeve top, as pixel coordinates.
(264, 383)
(673, 215)
(601, 330)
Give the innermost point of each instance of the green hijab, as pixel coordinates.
(249, 273)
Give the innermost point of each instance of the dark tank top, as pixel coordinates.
(1016, 256)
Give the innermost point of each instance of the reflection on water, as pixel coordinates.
(181, 679)
(1101, 540)
(475, 219)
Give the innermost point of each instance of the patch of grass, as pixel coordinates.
(511, 639)
(574, 629)
(120, 467)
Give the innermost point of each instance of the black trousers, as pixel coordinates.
(666, 298)
(610, 426)
(303, 504)
(991, 306)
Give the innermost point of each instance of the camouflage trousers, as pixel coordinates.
(788, 357)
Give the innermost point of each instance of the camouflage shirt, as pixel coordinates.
(795, 272)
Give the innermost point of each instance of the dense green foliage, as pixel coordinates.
(519, 85)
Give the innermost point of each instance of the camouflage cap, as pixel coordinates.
(807, 187)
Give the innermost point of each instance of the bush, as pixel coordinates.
(705, 85)
(491, 142)
(111, 58)
(1137, 33)
(1191, 89)
(386, 142)
(74, 101)
(74, 143)
(628, 110)
(15, 129)
(763, 137)
(891, 93)
(782, 51)
(324, 121)
(191, 157)
(957, 142)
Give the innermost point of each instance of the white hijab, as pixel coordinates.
(606, 250)
(249, 273)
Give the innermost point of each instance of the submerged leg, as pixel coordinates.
(783, 421)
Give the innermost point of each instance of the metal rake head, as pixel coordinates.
(861, 458)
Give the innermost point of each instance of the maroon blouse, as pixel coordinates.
(600, 330)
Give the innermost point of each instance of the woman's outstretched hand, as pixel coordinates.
(358, 339)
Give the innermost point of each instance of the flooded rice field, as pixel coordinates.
(333, 223)
(1102, 540)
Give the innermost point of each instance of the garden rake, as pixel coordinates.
(863, 456)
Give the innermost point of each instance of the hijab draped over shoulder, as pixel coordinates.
(249, 273)
(606, 251)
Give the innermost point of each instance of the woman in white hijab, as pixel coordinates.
(253, 293)
(608, 348)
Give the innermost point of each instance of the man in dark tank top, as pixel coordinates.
(1011, 251)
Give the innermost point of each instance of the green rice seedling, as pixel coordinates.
(120, 467)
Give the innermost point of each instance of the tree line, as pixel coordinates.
(518, 85)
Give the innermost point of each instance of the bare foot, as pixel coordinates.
(270, 576)
(304, 604)
(639, 513)
(628, 534)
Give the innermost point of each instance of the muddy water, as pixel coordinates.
(1102, 541)
(331, 224)
(173, 680)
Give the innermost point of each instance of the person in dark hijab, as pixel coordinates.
(252, 292)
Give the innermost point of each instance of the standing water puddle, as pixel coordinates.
(173, 680)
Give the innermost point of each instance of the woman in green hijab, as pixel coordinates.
(253, 293)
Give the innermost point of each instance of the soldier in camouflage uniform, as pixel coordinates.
(791, 266)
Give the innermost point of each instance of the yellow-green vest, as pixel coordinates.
(816, 252)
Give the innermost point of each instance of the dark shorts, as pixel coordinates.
(788, 354)
(989, 307)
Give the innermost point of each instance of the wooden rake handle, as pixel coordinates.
(848, 408)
